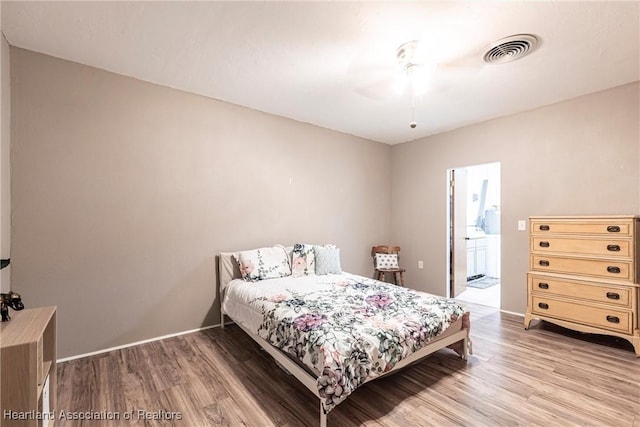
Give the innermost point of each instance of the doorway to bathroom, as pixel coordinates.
(474, 234)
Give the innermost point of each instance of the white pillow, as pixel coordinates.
(264, 263)
(386, 261)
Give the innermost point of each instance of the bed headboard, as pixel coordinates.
(227, 271)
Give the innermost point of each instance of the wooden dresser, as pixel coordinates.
(584, 274)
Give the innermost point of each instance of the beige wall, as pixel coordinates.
(123, 192)
(5, 172)
(576, 157)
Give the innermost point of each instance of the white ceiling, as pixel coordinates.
(329, 63)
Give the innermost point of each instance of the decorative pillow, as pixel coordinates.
(303, 260)
(386, 261)
(327, 259)
(264, 263)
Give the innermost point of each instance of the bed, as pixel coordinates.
(335, 332)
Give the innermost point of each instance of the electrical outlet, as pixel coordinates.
(522, 225)
(420, 265)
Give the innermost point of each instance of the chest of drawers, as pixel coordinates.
(584, 273)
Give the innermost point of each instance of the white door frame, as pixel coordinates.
(450, 262)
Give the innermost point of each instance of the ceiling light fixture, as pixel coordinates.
(414, 73)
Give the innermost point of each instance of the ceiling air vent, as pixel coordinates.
(510, 48)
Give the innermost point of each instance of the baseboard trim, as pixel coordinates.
(512, 312)
(133, 344)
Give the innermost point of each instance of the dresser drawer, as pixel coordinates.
(597, 292)
(620, 270)
(610, 319)
(621, 248)
(600, 227)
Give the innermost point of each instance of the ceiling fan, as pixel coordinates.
(412, 73)
(413, 69)
(416, 71)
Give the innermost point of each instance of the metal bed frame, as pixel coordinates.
(228, 271)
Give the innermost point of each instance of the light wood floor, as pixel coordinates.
(545, 376)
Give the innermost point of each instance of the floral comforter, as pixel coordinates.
(352, 328)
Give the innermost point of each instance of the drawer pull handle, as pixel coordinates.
(613, 229)
(544, 244)
(545, 228)
(544, 305)
(613, 248)
(544, 263)
(613, 295)
(543, 285)
(612, 269)
(613, 319)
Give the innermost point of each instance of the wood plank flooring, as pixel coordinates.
(546, 376)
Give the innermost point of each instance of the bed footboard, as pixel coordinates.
(310, 382)
(456, 337)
